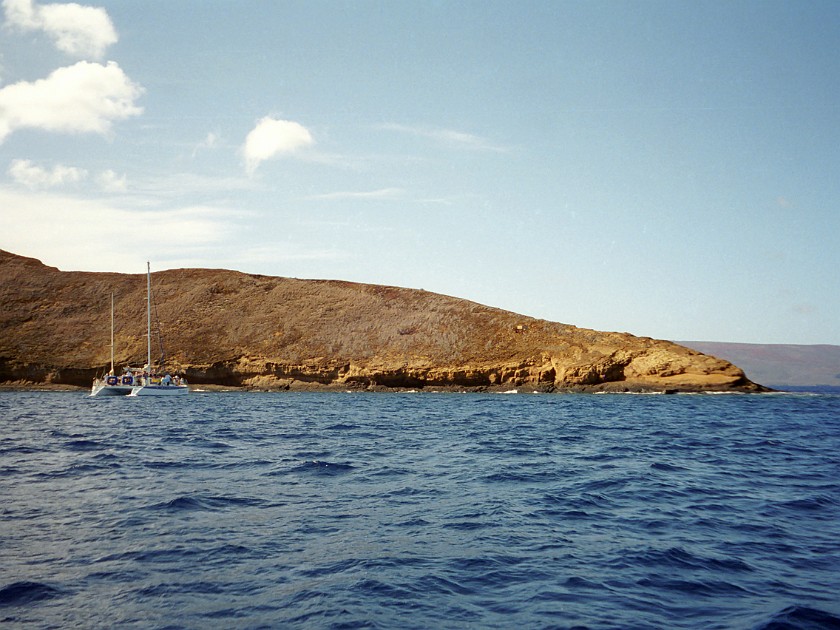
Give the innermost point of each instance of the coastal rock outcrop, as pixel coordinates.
(229, 328)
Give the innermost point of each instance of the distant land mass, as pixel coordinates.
(779, 365)
(260, 332)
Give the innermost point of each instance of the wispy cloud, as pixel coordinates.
(83, 98)
(211, 141)
(80, 31)
(184, 184)
(272, 137)
(382, 193)
(77, 233)
(100, 235)
(450, 137)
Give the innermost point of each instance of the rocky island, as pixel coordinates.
(272, 333)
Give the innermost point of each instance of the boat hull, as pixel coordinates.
(110, 390)
(159, 390)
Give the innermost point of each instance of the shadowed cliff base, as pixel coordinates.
(232, 329)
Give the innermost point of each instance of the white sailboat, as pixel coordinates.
(147, 383)
(111, 384)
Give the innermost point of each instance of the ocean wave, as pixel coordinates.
(343, 426)
(680, 558)
(84, 445)
(801, 618)
(201, 502)
(664, 467)
(702, 588)
(317, 467)
(812, 504)
(26, 592)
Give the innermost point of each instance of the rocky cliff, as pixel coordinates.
(229, 328)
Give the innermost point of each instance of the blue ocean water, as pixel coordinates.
(331, 510)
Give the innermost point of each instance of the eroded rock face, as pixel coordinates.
(230, 328)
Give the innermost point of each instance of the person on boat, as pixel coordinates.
(166, 380)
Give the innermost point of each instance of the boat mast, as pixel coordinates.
(112, 332)
(149, 317)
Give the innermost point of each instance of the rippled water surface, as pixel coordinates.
(420, 511)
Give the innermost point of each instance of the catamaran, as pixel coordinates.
(147, 383)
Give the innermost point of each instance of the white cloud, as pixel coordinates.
(33, 176)
(272, 137)
(77, 30)
(20, 14)
(109, 181)
(83, 98)
(449, 137)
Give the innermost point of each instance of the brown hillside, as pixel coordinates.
(232, 328)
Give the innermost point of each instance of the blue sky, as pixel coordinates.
(669, 169)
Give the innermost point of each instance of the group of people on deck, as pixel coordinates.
(137, 376)
(170, 380)
(151, 378)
